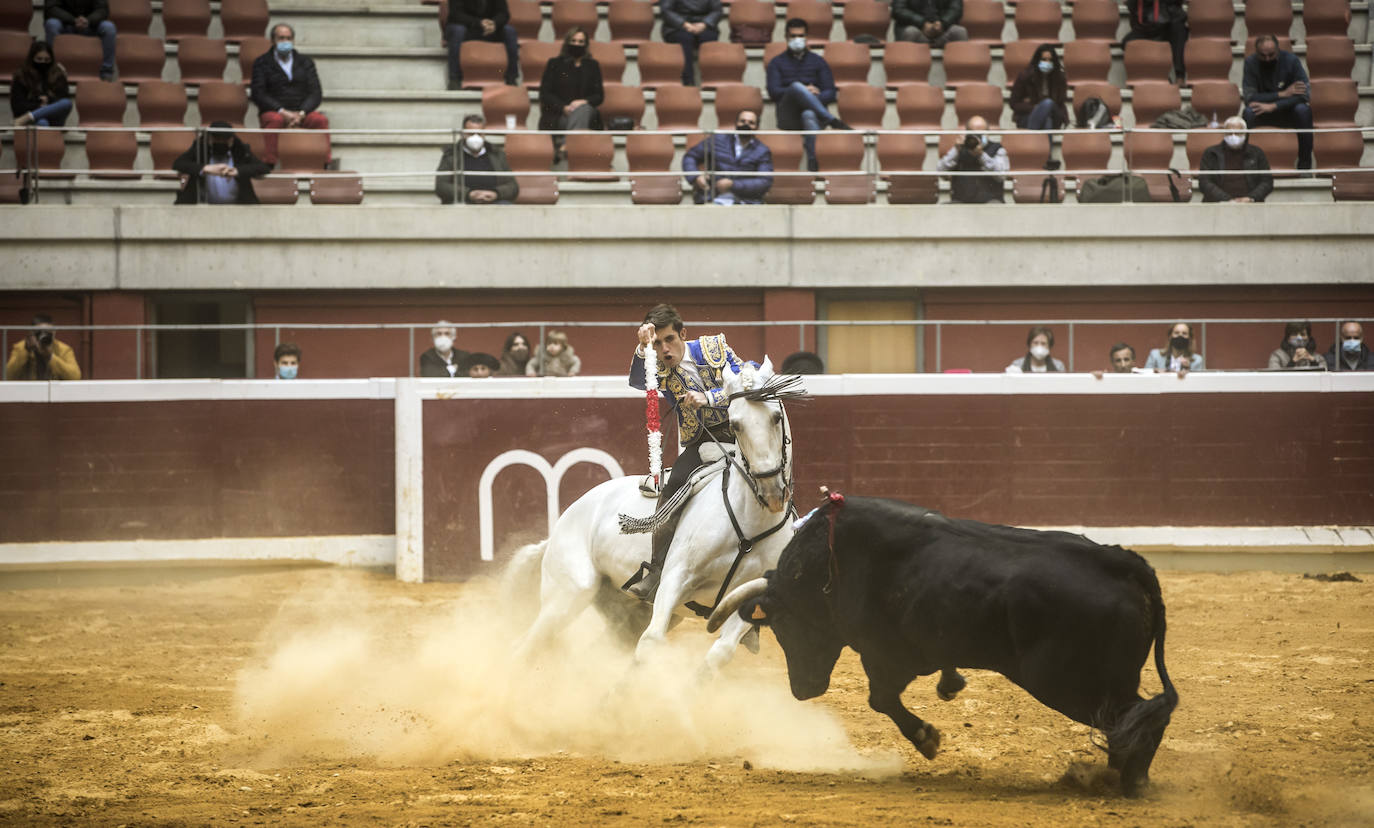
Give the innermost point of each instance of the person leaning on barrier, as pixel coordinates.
(1298, 350)
(1274, 85)
(42, 356)
(1037, 360)
(976, 151)
(286, 90)
(218, 168)
(515, 355)
(719, 168)
(1352, 352)
(928, 21)
(1222, 165)
(1176, 356)
(83, 17)
(570, 90)
(286, 360)
(39, 93)
(479, 365)
(480, 167)
(1120, 360)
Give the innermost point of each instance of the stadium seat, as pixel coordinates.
(250, 49)
(532, 153)
(131, 16)
(1337, 149)
(1353, 186)
(849, 62)
(222, 101)
(1016, 56)
(161, 103)
(1210, 19)
(799, 188)
(631, 21)
(534, 56)
(1028, 150)
(1148, 60)
(659, 63)
(611, 56)
(1038, 20)
(755, 15)
(648, 153)
(1280, 147)
(677, 106)
(590, 156)
(819, 16)
(1268, 17)
(867, 17)
(862, 107)
(721, 62)
(570, 13)
(281, 191)
(843, 152)
(527, 16)
(1334, 101)
(340, 190)
(166, 147)
(1154, 150)
(14, 50)
(623, 101)
(1085, 150)
(1150, 99)
(1325, 18)
(979, 99)
(731, 99)
(920, 106)
(79, 55)
(1109, 93)
(100, 103)
(15, 16)
(966, 62)
(114, 150)
(41, 148)
(984, 20)
(484, 64)
(139, 57)
(243, 18)
(498, 102)
(1098, 20)
(185, 17)
(201, 59)
(1087, 61)
(1330, 56)
(1218, 100)
(1207, 59)
(302, 150)
(905, 63)
(901, 155)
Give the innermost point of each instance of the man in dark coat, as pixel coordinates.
(730, 169)
(1275, 88)
(1352, 352)
(83, 17)
(1235, 154)
(487, 20)
(928, 21)
(480, 165)
(1163, 20)
(690, 23)
(219, 169)
(286, 90)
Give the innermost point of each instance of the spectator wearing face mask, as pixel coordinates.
(1352, 352)
(515, 355)
(730, 169)
(801, 84)
(570, 90)
(929, 21)
(286, 90)
(1297, 350)
(42, 356)
(1235, 170)
(219, 169)
(1177, 355)
(1274, 86)
(1040, 95)
(1037, 359)
(39, 92)
(480, 167)
(555, 359)
(443, 360)
(287, 360)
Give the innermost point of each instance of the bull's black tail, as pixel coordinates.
(1145, 722)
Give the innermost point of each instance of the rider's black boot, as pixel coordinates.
(644, 584)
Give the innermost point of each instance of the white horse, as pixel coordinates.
(587, 557)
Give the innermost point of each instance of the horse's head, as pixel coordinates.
(761, 431)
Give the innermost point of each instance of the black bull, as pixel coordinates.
(915, 592)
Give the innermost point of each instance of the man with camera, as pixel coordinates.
(977, 152)
(41, 356)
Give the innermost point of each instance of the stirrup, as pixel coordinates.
(647, 574)
(648, 488)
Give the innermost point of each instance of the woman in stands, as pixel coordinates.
(515, 355)
(1298, 349)
(1037, 360)
(570, 90)
(1177, 356)
(1040, 96)
(39, 93)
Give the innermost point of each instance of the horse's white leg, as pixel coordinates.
(672, 589)
(731, 632)
(567, 587)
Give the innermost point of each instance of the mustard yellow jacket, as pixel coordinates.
(24, 366)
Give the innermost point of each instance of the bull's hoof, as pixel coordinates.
(950, 685)
(927, 741)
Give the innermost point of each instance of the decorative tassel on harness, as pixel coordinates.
(836, 502)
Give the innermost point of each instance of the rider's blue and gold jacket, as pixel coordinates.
(711, 355)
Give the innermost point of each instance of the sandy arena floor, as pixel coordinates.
(325, 696)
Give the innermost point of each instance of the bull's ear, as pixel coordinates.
(755, 612)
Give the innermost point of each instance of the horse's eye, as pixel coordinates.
(777, 416)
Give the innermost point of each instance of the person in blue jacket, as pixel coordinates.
(800, 83)
(719, 168)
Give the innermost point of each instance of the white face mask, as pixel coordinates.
(474, 143)
(1234, 141)
(1039, 351)
(443, 344)
(797, 44)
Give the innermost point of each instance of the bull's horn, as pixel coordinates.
(733, 601)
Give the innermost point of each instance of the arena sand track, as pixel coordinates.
(325, 696)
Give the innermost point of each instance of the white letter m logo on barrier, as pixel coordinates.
(552, 475)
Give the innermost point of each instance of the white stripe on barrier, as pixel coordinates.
(343, 550)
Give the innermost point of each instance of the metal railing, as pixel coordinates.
(807, 330)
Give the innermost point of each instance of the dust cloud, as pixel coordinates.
(350, 673)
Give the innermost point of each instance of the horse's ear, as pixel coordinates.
(766, 369)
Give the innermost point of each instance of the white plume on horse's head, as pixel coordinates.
(748, 377)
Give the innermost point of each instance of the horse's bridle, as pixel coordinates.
(751, 477)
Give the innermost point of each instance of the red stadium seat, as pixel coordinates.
(905, 63)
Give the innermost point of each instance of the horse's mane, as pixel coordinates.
(777, 388)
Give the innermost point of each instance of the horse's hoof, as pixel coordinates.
(751, 640)
(947, 689)
(928, 742)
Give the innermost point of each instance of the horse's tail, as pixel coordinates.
(520, 583)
